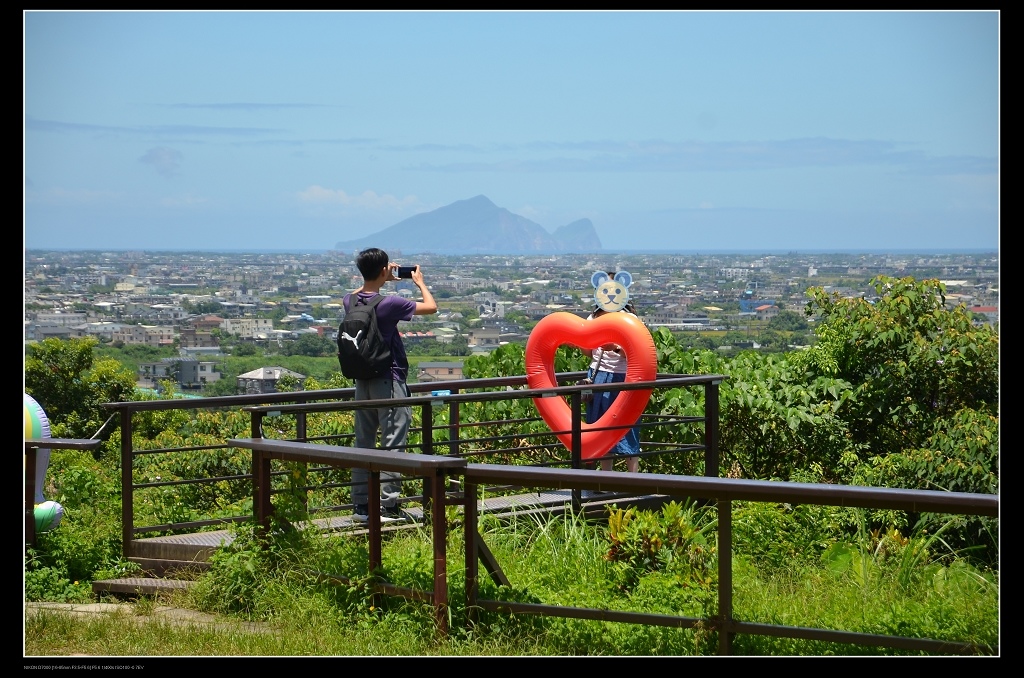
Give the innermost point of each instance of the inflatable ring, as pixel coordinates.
(37, 425)
(561, 328)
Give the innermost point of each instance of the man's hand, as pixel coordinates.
(428, 305)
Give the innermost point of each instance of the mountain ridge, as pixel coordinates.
(478, 226)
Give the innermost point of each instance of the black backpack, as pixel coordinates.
(362, 352)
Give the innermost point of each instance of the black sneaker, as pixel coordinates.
(360, 513)
(392, 513)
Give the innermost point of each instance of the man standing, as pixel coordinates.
(391, 423)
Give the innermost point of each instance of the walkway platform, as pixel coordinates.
(171, 563)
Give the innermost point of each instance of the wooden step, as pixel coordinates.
(172, 562)
(140, 586)
(197, 546)
(166, 567)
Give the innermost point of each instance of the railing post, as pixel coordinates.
(261, 476)
(373, 522)
(725, 633)
(255, 431)
(30, 494)
(256, 425)
(711, 429)
(373, 530)
(127, 484)
(454, 419)
(439, 532)
(427, 426)
(575, 401)
(300, 434)
(577, 430)
(472, 560)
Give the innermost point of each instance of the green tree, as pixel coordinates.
(788, 321)
(772, 340)
(733, 337)
(245, 348)
(70, 385)
(503, 361)
(288, 382)
(222, 387)
(208, 307)
(459, 345)
(314, 345)
(913, 361)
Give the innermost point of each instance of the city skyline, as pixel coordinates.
(672, 131)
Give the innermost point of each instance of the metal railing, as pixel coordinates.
(302, 404)
(433, 467)
(458, 448)
(32, 447)
(721, 491)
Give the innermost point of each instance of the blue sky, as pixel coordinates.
(669, 130)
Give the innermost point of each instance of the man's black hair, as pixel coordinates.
(371, 261)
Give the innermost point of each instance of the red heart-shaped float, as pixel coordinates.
(561, 328)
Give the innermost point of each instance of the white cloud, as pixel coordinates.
(722, 156)
(78, 196)
(167, 161)
(367, 200)
(183, 201)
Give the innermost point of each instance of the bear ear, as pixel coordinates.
(624, 278)
(597, 278)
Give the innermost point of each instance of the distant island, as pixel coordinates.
(478, 226)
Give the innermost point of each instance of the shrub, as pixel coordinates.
(680, 540)
(49, 584)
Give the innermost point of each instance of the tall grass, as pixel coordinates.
(659, 562)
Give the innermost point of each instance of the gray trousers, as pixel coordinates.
(392, 425)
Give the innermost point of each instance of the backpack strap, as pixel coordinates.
(365, 301)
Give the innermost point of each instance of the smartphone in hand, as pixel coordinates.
(405, 271)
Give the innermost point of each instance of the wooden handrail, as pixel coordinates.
(349, 457)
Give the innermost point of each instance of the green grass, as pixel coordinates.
(59, 633)
(561, 561)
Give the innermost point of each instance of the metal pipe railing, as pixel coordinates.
(301, 404)
(435, 469)
(723, 491)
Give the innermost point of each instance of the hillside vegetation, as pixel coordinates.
(902, 392)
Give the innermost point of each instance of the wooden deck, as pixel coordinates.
(171, 563)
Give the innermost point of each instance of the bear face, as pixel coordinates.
(611, 293)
